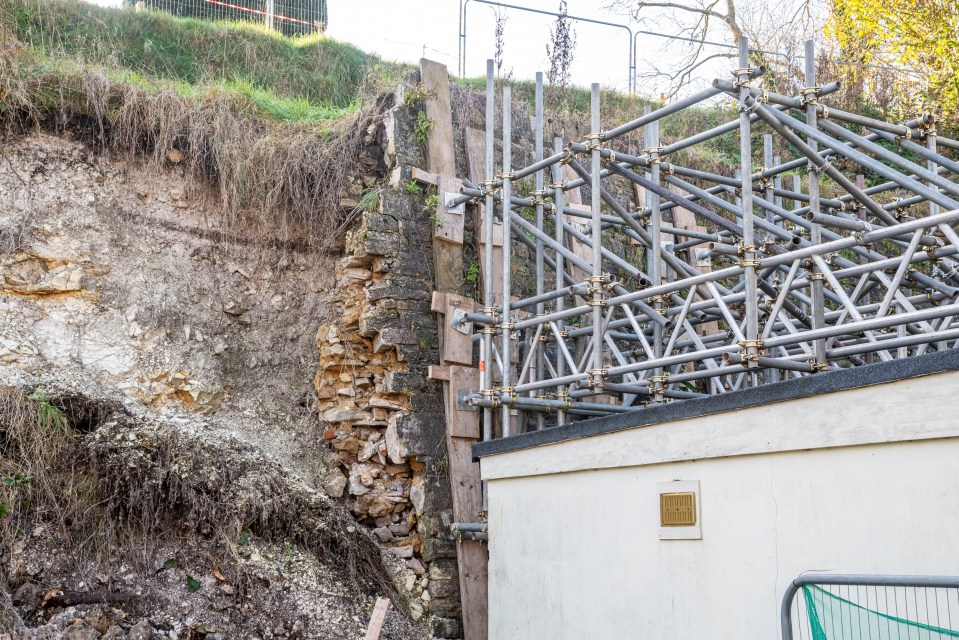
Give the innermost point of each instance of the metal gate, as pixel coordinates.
(870, 607)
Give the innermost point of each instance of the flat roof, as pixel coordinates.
(810, 385)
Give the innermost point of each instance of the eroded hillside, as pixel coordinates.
(161, 450)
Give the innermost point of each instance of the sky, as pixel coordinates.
(406, 30)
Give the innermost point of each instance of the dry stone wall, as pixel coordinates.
(383, 416)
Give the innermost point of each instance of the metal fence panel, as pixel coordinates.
(871, 607)
(291, 17)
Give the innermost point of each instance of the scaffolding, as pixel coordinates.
(773, 282)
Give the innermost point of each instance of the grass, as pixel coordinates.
(313, 68)
(569, 108)
(274, 124)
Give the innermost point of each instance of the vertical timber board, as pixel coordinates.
(697, 256)
(472, 556)
(448, 222)
(639, 196)
(457, 346)
(574, 200)
(476, 165)
(447, 241)
(465, 481)
(580, 249)
(440, 159)
(439, 147)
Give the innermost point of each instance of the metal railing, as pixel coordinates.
(776, 280)
(870, 607)
(291, 17)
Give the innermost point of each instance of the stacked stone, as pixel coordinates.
(382, 415)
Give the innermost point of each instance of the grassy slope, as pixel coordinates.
(307, 79)
(573, 105)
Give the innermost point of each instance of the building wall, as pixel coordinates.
(862, 481)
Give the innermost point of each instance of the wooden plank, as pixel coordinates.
(448, 268)
(438, 372)
(465, 424)
(698, 256)
(438, 302)
(425, 177)
(473, 564)
(573, 196)
(447, 222)
(476, 165)
(439, 147)
(457, 346)
(471, 556)
(447, 246)
(377, 618)
(639, 197)
(581, 250)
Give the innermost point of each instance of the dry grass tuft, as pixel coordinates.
(116, 488)
(275, 180)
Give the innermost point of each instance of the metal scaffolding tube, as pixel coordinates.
(770, 250)
(506, 327)
(489, 300)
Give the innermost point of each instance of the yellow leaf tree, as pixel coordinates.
(917, 34)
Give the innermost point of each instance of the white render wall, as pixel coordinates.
(574, 526)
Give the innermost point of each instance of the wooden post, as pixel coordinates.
(456, 346)
(697, 256)
(476, 159)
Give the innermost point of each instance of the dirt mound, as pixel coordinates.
(161, 527)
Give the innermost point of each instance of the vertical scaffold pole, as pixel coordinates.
(507, 351)
(653, 255)
(931, 145)
(559, 203)
(538, 368)
(771, 374)
(270, 13)
(778, 182)
(767, 163)
(489, 299)
(815, 230)
(598, 298)
(751, 348)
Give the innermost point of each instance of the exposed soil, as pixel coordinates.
(179, 353)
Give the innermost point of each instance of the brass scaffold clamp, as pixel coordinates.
(510, 393)
(563, 397)
(491, 395)
(489, 188)
(597, 288)
(810, 95)
(818, 367)
(596, 378)
(750, 350)
(742, 75)
(594, 141)
(657, 384)
(539, 196)
(654, 155)
(490, 329)
(747, 255)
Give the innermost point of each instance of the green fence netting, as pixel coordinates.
(834, 618)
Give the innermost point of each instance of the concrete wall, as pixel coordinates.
(862, 481)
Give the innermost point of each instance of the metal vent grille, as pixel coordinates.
(677, 509)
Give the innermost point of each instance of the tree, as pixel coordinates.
(560, 49)
(918, 34)
(779, 27)
(499, 34)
